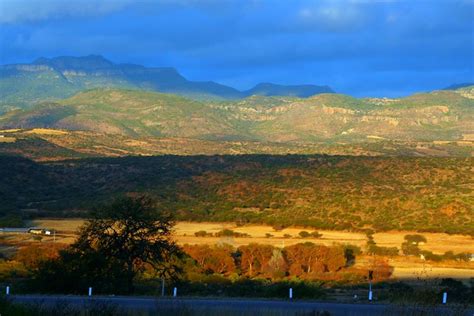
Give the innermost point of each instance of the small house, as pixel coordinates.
(36, 231)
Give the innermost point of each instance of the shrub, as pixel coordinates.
(201, 233)
(415, 239)
(304, 234)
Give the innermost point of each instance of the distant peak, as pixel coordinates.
(459, 85)
(89, 62)
(272, 89)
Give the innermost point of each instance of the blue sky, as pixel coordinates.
(362, 48)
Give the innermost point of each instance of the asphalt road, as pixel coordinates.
(236, 306)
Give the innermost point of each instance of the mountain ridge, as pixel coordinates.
(62, 76)
(435, 116)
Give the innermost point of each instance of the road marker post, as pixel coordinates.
(90, 291)
(445, 297)
(162, 287)
(371, 273)
(7, 290)
(175, 292)
(290, 294)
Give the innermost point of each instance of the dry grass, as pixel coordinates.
(60, 225)
(404, 267)
(436, 242)
(184, 233)
(11, 130)
(422, 272)
(7, 139)
(46, 131)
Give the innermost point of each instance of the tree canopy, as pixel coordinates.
(117, 243)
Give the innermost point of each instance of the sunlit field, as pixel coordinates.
(404, 267)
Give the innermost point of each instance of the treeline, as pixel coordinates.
(325, 192)
(304, 261)
(127, 247)
(202, 264)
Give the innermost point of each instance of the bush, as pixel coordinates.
(415, 239)
(304, 234)
(202, 233)
(316, 234)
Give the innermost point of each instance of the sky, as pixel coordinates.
(358, 47)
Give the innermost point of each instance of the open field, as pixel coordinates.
(184, 233)
(427, 271)
(438, 243)
(405, 267)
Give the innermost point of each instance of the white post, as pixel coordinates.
(291, 293)
(90, 291)
(175, 292)
(7, 291)
(370, 291)
(445, 297)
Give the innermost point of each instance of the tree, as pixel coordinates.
(415, 239)
(117, 243)
(277, 266)
(304, 234)
(31, 256)
(254, 258)
(215, 259)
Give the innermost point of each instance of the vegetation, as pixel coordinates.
(113, 248)
(437, 116)
(338, 192)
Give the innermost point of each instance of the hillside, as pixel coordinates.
(327, 192)
(435, 116)
(56, 145)
(22, 85)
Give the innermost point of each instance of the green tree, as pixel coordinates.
(117, 243)
(415, 239)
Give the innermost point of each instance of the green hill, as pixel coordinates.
(327, 192)
(436, 116)
(22, 85)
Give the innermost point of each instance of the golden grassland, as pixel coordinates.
(7, 139)
(46, 131)
(438, 243)
(184, 233)
(404, 267)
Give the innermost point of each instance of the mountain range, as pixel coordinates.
(436, 116)
(120, 109)
(53, 78)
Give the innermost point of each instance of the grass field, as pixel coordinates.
(405, 267)
(184, 233)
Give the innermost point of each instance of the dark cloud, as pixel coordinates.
(358, 47)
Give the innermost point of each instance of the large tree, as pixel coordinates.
(117, 243)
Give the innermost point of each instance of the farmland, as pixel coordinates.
(404, 267)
